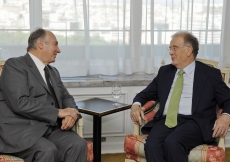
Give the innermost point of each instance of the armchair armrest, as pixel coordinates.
(221, 142)
(78, 127)
(150, 108)
(136, 129)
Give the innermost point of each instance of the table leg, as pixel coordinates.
(97, 138)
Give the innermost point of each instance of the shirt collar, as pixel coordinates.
(37, 62)
(188, 69)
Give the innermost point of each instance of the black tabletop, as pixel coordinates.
(100, 107)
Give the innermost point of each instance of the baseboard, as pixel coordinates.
(113, 145)
(227, 140)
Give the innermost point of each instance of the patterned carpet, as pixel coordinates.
(120, 157)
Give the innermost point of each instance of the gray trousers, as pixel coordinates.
(56, 146)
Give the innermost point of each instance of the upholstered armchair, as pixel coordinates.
(134, 143)
(78, 128)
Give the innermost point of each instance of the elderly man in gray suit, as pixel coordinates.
(36, 110)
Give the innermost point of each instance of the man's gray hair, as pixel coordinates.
(34, 36)
(189, 39)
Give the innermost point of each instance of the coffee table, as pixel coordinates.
(98, 107)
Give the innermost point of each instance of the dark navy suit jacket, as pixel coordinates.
(209, 90)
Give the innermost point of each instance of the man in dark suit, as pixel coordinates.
(196, 123)
(36, 110)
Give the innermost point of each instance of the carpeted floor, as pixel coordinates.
(120, 157)
(227, 155)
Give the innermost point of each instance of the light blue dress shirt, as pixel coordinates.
(185, 105)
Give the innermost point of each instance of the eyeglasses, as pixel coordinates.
(174, 49)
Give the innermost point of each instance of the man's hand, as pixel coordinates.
(137, 114)
(221, 126)
(62, 113)
(67, 123)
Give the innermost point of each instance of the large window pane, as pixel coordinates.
(201, 17)
(14, 14)
(108, 14)
(95, 33)
(14, 22)
(107, 37)
(63, 14)
(70, 37)
(14, 37)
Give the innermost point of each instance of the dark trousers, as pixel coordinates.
(165, 144)
(56, 146)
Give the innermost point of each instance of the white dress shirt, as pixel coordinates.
(39, 65)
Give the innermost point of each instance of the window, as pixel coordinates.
(14, 26)
(108, 37)
(162, 18)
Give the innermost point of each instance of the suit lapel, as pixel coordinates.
(168, 78)
(198, 85)
(33, 68)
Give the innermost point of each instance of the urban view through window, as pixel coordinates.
(108, 20)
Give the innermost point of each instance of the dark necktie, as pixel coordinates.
(47, 75)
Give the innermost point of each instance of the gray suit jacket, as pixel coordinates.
(26, 105)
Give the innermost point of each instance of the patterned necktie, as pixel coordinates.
(171, 117)
(47, 75)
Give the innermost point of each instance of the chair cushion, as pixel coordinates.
(89, 151)
(134, 144)
(134, 148)
(151, 107)
(7, 158)
(207, 153)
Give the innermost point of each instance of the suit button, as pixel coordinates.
(52, 103)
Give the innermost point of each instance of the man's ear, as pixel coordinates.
(190, 49)
(39, 44)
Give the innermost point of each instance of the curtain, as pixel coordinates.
(163, 18)
(135, 35)
(96, 37)
(225, 36)
(111, 37)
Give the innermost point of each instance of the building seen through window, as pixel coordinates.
(108, 37)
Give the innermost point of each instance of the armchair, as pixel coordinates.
(134, 143)
(78, 128)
